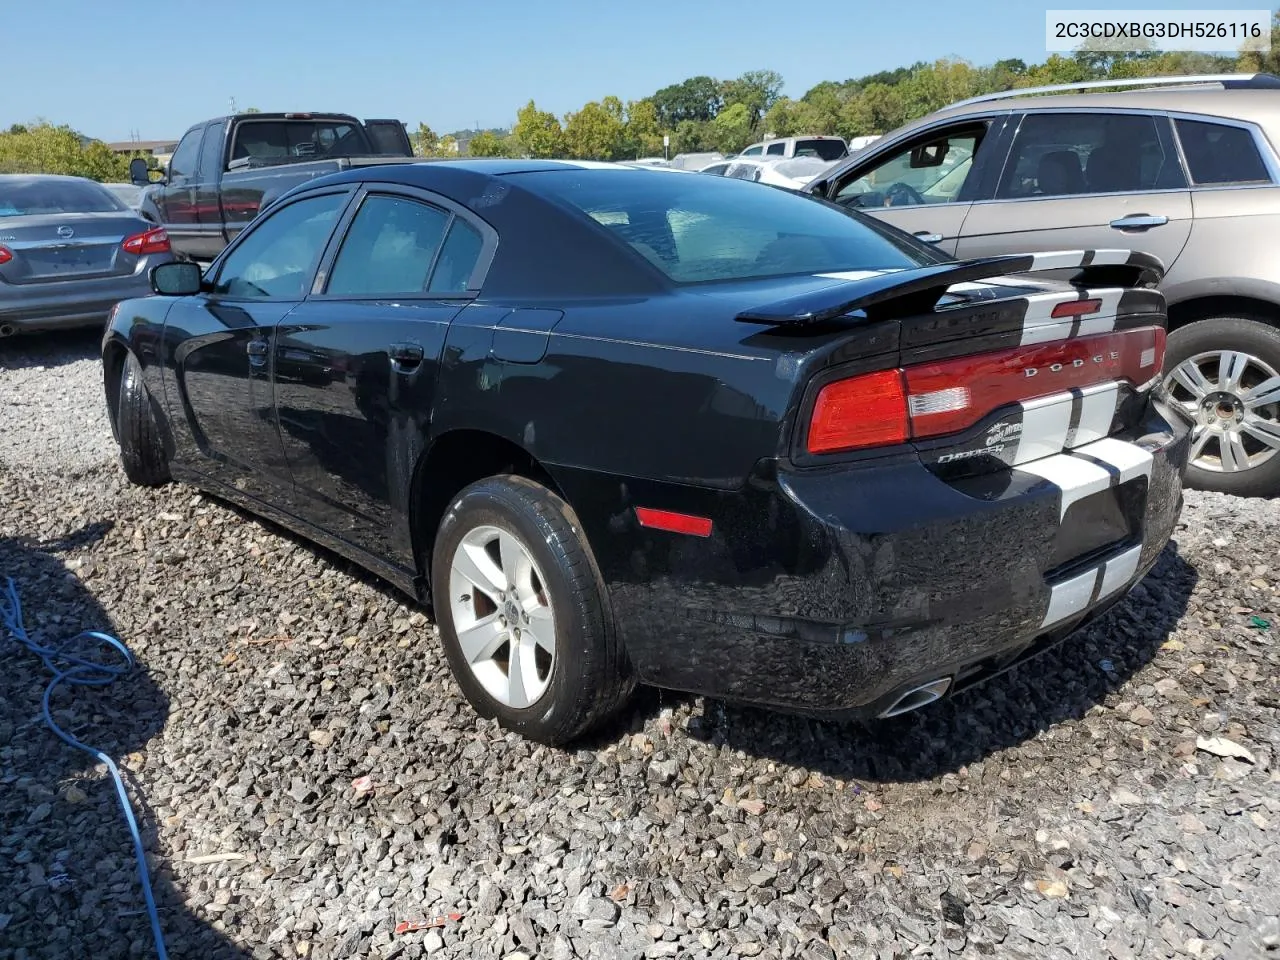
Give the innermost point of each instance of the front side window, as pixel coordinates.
(277, 259)
(1218, 153)
(1064, 154)
(211, 152)
(926, 172)
(778, 149)
(755, 151)
(183, 163)
(697, 229)
(389, 249)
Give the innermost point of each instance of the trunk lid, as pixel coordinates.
(67, 246)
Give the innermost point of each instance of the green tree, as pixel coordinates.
(425, 141)
(1256, 61)
(731, 129)
(447, 146)
(44, 148)
(757, 90)
(537, 132)
(597, 131)
(643, 134)
(692, 136)
(875, 110)
(487, 144)
(698, 99)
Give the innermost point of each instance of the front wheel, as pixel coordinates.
(137, 429)
(1224, 372)
(523, 612)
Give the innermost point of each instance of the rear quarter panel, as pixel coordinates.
(1232, 247)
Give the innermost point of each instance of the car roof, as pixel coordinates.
(1259, 106)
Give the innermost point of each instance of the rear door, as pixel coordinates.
(176, 198)
(223, 364)
(1078, 180)
(356, 365)
(389, 138)
(925, 184)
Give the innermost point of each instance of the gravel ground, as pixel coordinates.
(1119, 797)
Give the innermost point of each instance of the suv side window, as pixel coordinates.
(755, 151)
(1066, 154)
(778, 149)
(1220, 154)
(932, 170)
(182, 166)
(278, 258)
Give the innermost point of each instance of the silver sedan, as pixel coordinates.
(70, 250)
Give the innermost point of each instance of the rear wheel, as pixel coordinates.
(1225, 374)
(137, 429)
(523, 612)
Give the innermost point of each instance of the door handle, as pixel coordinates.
(257, 350)
(405, 357)
(1139, 221)
(928, 237)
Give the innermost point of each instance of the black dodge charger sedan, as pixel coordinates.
(619, 426)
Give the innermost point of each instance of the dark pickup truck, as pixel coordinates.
(225, 170)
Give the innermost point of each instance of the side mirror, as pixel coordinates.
(180, 279)
(138, 172)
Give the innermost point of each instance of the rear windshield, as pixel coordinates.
(697, 229)
(29, 197)
(822, 149)
(282, 140)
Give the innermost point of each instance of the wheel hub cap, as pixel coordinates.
(502, 616)
(1233, 399)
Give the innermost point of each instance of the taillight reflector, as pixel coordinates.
(934, 399)
(1076, 308)
(674, 522)
(152, 241)
(5, 254)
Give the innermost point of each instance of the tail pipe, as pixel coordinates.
(917, 697)
(7, 329)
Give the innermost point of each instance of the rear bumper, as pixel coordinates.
(837, 592)
(72, 303)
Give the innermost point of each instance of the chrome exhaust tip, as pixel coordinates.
(916, 698)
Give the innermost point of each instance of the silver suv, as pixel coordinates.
(1184, 168)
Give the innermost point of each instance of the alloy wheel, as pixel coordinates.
(1233, 400)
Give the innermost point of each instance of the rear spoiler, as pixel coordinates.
(901, 293)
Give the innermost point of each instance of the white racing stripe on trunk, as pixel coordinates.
(1110, 258)
(1070, 596)
(1097, 411)
(1075, 478)
(1045, 423)
(1039, 325)
(1118, 571)
(1128, 458)
(1057, 259)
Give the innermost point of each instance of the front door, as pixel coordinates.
(176, 197)
(356, 366)
(924, 185)
(223, 369)
(1086, 181)
(209, 240)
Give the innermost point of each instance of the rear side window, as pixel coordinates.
(1064, 154)
(1217, 153)
(33, 196)
(714, 228)
(457, 260)
(389, 249)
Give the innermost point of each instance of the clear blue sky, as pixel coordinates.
(153, 67)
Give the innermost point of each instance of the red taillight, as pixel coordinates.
(5, 255)
(952, 395)
(1076, 308)
(153, 241)
(864, 411)
(673, 522)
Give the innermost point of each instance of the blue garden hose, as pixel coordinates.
(76, 671)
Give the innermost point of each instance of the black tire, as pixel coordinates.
(1245, 335)
(590, 678)
(138, 431)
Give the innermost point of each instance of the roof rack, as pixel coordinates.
(1226, 81)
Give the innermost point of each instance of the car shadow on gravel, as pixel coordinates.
(50, 349)
(1062, 684)
(68, 879)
